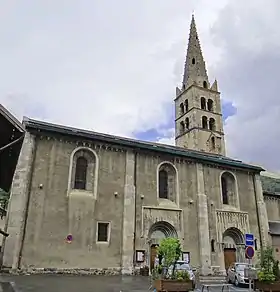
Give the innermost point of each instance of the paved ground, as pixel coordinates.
(59, 283)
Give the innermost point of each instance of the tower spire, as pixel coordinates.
(195, 69)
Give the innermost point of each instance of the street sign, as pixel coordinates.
(249, 239)
(249, 252)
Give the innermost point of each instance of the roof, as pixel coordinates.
(35, 125)
(12, 119)
(11, 137)
(270, 184)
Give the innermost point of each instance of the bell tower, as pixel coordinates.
(198, 113)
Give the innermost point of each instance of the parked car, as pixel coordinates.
(185, 267)
(236, 275)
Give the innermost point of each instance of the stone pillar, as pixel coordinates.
(263, 219)
(221, 259)
(128, 215)
(18, 203)
(203, 223)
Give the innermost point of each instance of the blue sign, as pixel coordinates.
(249, 239)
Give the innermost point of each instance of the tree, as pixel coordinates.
(170, 251)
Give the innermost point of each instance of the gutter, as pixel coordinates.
(141, 145)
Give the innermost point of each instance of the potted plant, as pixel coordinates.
(165, 276)
(269, 273)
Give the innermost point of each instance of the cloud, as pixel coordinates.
(112, 66)
(249, 77)
(103, 65)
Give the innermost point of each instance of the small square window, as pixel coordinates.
(103, 232)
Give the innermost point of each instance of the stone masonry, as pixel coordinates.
(90, 203)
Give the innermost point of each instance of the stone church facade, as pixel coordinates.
(85, 200)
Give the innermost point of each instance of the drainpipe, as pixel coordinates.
(257, 209)
(135, 207)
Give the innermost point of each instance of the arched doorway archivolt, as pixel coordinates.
(157, 232)
(162, 229)
(233, 242)
(233, 237)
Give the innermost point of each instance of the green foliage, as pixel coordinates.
(269, 267)
(182, 276)
(170, 250)
(276, 270)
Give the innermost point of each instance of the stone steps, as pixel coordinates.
(212, 279)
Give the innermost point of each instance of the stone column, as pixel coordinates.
(263, 219)
(203, 223)
(18, 203)
(128, 215)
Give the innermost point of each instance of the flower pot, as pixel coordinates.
(267, 287)
(173, 285)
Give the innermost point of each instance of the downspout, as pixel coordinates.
(27, 203)
(258, 215)
(135, 208)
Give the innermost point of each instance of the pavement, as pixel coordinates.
(72, 283)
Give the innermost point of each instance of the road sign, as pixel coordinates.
(249, 252)
(249, 239)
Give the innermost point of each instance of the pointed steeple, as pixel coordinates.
(195, 69)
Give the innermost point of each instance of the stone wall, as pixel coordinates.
(48, 218)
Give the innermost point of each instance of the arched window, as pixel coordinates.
(187, 123)
(203, 103)
(213, 143)
(182, 127)
(163, 184)
(210, 105)
(205, 85)
(228, 185)
(193, 61)
(84, 170)
(212, 245)
(167, 175)
(81, 174)
(182, 108)
(224, 190)
(187, 105)
(204, 122)
(212, 124)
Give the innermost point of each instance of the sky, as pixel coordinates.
(113, 66)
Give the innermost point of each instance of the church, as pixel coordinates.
(83, 201)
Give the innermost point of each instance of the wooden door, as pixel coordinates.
(230, 256)
(153, 255)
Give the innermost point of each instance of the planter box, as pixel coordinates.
(267, 287)
(173, 286)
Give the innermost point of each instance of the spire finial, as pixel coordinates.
(195, 70)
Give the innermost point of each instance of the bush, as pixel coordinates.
(269, 267)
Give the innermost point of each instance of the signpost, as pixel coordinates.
(249, 254)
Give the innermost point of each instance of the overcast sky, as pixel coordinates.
(112, 66)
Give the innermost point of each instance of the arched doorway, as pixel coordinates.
(157, 232)
(233, 240)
